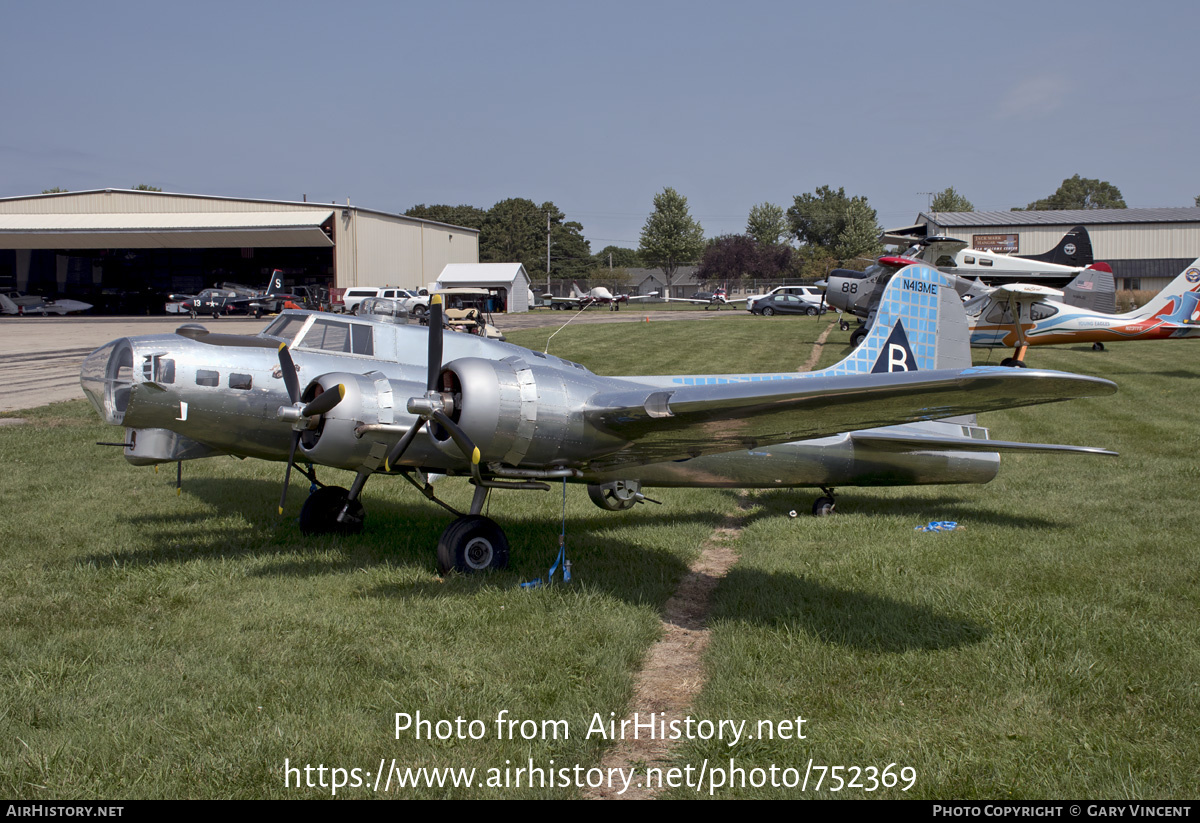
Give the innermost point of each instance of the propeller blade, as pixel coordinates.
(461, 440)
(435, 341)
(288, 369)
(325, 401)
(402, 444)
(287, 475)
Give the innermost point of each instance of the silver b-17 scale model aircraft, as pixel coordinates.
(377, 398)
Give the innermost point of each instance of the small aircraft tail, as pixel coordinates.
(1169, 300)
(276, 285)
(919, 325)
(575, 290)
(1094, 289)
(1075, 249)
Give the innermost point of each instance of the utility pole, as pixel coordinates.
(930, 193)
(547, 252)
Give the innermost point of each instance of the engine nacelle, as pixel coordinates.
(371, 398)
(518, 413)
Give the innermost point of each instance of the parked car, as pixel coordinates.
(786, 304)
(809, 293)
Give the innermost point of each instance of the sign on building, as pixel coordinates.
(1005, 243)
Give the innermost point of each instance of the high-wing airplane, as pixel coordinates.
(231, 298)
(596, 296)
(377, 398)
(1071, 255)
(857, 292)
(1023, 315)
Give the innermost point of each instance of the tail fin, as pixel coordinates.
(1169, 300)
(1075, 249)
(575, 290)
(1094, 289)
(276, 285)
(920, 325)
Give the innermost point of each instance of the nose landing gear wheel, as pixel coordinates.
(320, 511)
(472, 543)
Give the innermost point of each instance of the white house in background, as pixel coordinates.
(508, 281)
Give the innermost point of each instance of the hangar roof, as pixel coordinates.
(1061, 217)
(168, 230)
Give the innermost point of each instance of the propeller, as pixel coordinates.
(319, 405)
(431, 407)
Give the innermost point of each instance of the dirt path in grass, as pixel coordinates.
(673, 671)
(815, 355)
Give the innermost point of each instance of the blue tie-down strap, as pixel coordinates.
(939, 526)
(561, 559)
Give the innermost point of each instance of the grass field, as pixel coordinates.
(154, 645)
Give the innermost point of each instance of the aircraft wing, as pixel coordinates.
(705, 302)
(1027, 289)
(672, 423)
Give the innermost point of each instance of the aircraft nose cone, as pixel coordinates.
(106, 377)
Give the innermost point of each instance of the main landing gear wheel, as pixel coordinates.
(615, 497)
(823, 507)
(1013, 363)
(1097, 346)
(859, 335)
(472, 543)
(320, 511)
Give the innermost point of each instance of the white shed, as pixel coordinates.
(508, 281)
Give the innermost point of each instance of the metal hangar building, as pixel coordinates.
(1146, 248)
(123, 250)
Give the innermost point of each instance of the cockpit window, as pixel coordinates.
(339, 336)
(1040, 311)
(286, 326)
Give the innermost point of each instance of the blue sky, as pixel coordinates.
(598, 106)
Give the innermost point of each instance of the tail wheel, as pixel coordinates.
(615, 497)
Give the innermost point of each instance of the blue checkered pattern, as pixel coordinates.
(917, 309)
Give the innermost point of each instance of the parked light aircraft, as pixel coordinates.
(13, 302)
(710, 300)
(596, 296)
(1024, 314)
(1068, 258)
(378, 398)
(231, 298)
(1091, 287)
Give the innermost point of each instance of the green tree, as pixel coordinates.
(465, 216)
(950, 200)
(57, 190)
(514, 231)
(1080, 193)
(1198, 199)
(846, 227)
(671, 236)
(767, 224)
(628, 258)
(145, 187)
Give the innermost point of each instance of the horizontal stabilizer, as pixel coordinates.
(887, 441)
